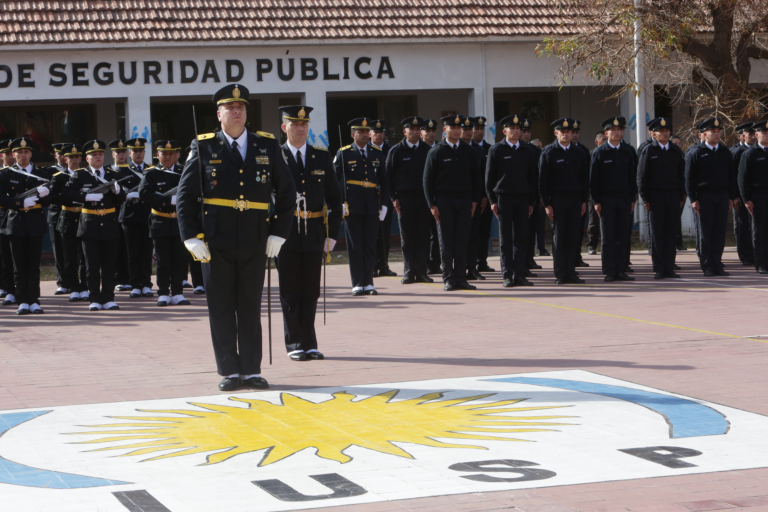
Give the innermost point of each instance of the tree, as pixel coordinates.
(700, 51)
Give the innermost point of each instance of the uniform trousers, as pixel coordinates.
(196, 271)
(362, 231)
(434, 245)
(122, 276)
(760, 228)
(664, 220)
(713, 222)
(172, 260)
(74, 262)
(593, 227)
(234, 281)
(7, 282)
(453, 230)
(742, 229)
(100, 258)
(139, 246)
(474, 239)
(614, 223)
(383, 240)
(486, 221)
(299, 275)
(566, 226)
(535, 232)
(583, 225)
(414, 222)
(513, 235)
(58, 254)
(26, 253)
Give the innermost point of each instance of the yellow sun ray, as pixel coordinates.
(378, 423)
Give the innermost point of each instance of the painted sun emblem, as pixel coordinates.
(328, 427)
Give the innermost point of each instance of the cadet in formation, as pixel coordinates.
(428, 133)
(314, 230)
(7, 286)
(378, 131)
(484, 236)
(536, 220)
(753, 185)
(584, 218)
(54, 212)
(741, 217)
(476, 231)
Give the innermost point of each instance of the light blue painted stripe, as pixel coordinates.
(685, 417)
(19, 474)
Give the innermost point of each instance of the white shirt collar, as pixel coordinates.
(664, 146)
(516, 145)
(361, 149)
(761, 146)
(412, 145)
(27, 169)
(302, 150)
(714, 148)
(612, 146)
(100, 169)
(140, 166)
(242, 142)
(566, 148)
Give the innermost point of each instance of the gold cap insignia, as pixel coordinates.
(23, 143)
(95, 146)
(168, 145)
(575, 125)
(120, 144)
(415, 121)
(480, 121)
(565, 124)
(717, 123)
(236, 92)
(615, 122)
(302, 113)
(365, 122)
(378, 125)
(457, 120)
(515, 120)
(663, 122)
(431, 124)
(466, 122)
(525, 124)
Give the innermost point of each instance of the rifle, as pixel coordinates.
(200, 170)
(343, 175)
(105, 187)
(171, 192)
(33, 191)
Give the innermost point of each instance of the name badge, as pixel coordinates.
(262, 160)
(654, 157)
(704, 154)
(163, 183)
(763, 158)
(214, 162)
(406, 159)
(560, 161)
(318, 173)
(507, 157)
(352, 162)
(608, 161)
(14, 181)
(447, 160)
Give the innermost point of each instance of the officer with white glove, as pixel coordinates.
(132, 196)
(382, 213)
(43, 191)
(94, 198)
(30, 201)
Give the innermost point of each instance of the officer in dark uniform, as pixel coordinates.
(486, 215)
(361, 169)
(7, 285)
(563, 185)
(25, 221)
(741, 218)
(467, 135)
(536, 220)
(99, 229)
(710, 180)
(74, 273)
(314, 230)
(378, 132)
(510, 183)
(157, 190)
(134, 217)
(234, 233)
(195, 267)
(585, 218)
(405, 171)
(428, 132)
(753, 184)
(53, 219)
(453, 187)
(661, 182)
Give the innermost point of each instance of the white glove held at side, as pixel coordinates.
(43, 191)
(30, 202)
(382, 213)
(329, 244)
(94, 197)
(345, 210)
(116, 188)
(273, 245)
(198, 248)
(173, 200)
(132, 195)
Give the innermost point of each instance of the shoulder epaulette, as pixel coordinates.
(60, 172)
(265, 134)
(206, 136)
(123, 165)
(346, 147)
(376, 147)
(320, 148)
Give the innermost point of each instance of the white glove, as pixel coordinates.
(273, 245)
(198, 249)
(329, 244)
(382, 213)
(173, 200)
(116, 188)
(30, 202)
(132, 195)
(94, 197)
(344, 210)
(43, 191)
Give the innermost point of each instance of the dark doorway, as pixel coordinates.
(536, 106)
(341, 111)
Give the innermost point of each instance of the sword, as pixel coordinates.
(202, 194)
(343, 176)
(327, 258)
(269, 305)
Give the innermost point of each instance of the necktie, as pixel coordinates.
(362, 152)
(236, 151)
(300, 162)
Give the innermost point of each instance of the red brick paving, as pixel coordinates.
(680, 336)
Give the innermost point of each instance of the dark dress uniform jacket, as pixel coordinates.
(710, 170)
(452, 173)
(17, 222)
(264, 169)
(132, 211)
(351, 166)
(95, 227)
(511, 172)
(613, 172)
(156, 181)
(54, 209)
(68, 221)
(661, 171)
(319, 186)
(405, 169)
(753, 172)
(563, 171)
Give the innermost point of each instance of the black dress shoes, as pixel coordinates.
(315, 356)
(581, 263)
(624, 277)
(508, 283)
(424, 279)
(387, 272)
(357, 293)
(544, 252)
(591, 250)
(748, 263)
(449, 287)
(676, 267)
(533, 265)
(465, 286)
(298, 356)
(474, 275)
(682, 248)
(408, 279)
(256, 383)
(523, 282)
(576, 280)
(762, 270)
(628, 269)
(528, 273)
(434, 270)
(561, 281)
(609, 278)
(722, 273)
(709, 273)
(659, 275)
(371, 292)
(229, 383)
(673, 275)
(484, 268)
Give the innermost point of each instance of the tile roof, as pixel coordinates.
(134, 21)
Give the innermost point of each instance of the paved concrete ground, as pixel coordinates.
(687, 336)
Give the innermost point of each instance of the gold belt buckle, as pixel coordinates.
(25, 210)
(241, 204)
(173, 215)
(101, 212)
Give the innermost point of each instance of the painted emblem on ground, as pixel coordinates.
(312, 448)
